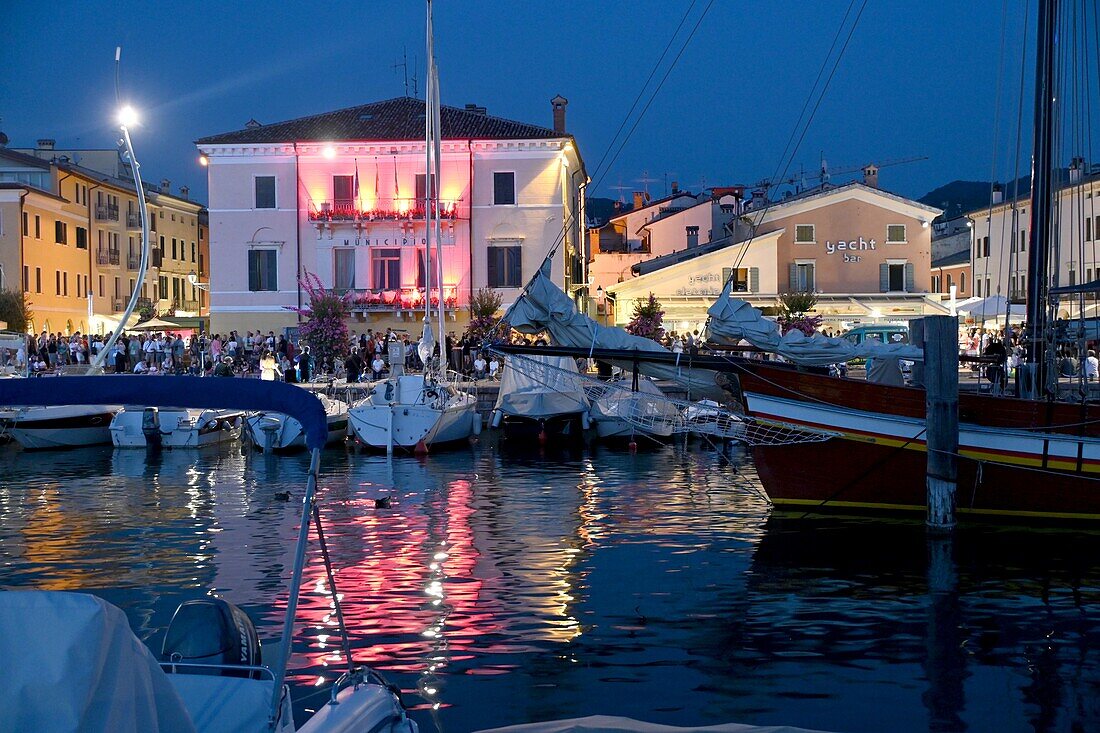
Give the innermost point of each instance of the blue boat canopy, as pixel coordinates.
(171, 391)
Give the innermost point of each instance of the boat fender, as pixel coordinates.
(476, 427)
(389, 391)
(421, 448)
(542, 432)
(494, 420)
(586, 421)
(212, 631)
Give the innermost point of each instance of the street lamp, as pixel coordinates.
(127, 116)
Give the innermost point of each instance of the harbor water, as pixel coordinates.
(496, 588)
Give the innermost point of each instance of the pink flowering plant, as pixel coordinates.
(324, 327)
(793, 313)
(648, 320)
(484, 326)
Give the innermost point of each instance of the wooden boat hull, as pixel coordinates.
(1018, 458)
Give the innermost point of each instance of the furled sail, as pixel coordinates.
(733, 320)
(544, 307)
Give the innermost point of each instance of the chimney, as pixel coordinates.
(46, 143)
(639, 200)
(870, 175)
(558, 104)
(477, 110)
(692, 236)
(165, 185)
(998, 193)
(184, 191)
(675, 187)
(758, 199)
(1075, 167)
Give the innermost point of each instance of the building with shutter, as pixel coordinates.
(863, 251)
(341, 196)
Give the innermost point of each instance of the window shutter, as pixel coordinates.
(884, 278)
(793, 273)
(253, 271)
(272, 271)
(910, 278)
(493, 275)
(754, 279)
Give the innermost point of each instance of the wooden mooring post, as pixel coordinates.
(941, 380)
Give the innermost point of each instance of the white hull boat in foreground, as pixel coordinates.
(407, 411)
(175, 427)
(286, 433)
(66, 426)
(623, 414)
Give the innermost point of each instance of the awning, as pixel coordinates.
(1091, 287)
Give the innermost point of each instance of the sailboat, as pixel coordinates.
(415, 411)
(1019, 458)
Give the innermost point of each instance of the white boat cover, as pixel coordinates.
(613, 724)
(554, 391)
(544, 307)
(733, 320)
(71, 663)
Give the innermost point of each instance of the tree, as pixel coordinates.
(325, 329)
(147, 312)
(483, 324)
(648, 319)
(793, 308)
(15, 309)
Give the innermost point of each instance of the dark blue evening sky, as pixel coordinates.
(918, 79)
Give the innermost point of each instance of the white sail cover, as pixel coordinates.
(614, 724)
(733, 320)
(539, 396)
(544, 307)
(71, 663)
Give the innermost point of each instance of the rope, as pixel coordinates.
(345, 640)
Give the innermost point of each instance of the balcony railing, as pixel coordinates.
(118, 304)
(106, 212)
(144, 303)
(191, 306)
(133, 262)
(401, 299)
(386, 210)
(107, 257)
(133, 220)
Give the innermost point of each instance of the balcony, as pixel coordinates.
(133, 220)
(133, 262)
(157, 257)
(106, 212)
(118, 305)
(404, 299)
(107, 257)
(144, 303)
(395, 210)
(188, 306)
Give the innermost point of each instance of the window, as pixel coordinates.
(118, 289)
(343, 268)
(162, 286)
(936, 284)
(174, 248)
(505, 266)
(60, 232)
(265, 193)
(26, 229)
(895, 234)
(1072, 277)
(193, 251)
(102, 289)
(805, 234)
(343, 191)
(743, 279)
(37, 226)
(420, 178)
(38, 279)
(962, 283)
(802, 277)
(385, 267)
(988, 290)
(950, 283)
(262, 270)
(985, 246)
(504, 188)
(421, 268)
(1088, 228)
(978, 285)
(81, 238)
(57, 282)
(65, 283)
(26, 279)
(1023, 237)
(897, 277)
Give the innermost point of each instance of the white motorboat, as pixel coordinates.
(707, 417)
(174, 427)
(286, 433)
(541, 396)
(64, 426)
(622, 413)
(413, 410)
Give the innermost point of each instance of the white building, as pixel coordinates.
(340, 195)
(1001, 236)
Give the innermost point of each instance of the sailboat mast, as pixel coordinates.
(438, 127)
(1042, 166)
(428, 176)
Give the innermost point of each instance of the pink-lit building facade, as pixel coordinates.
(341, 195)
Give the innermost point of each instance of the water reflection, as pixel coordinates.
(496, 588)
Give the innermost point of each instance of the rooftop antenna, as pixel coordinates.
(645, 180)
(665, 175)
(620, 188)
(403, 64)
(413, 78)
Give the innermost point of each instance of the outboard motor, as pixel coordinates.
(212, 631)
(150, 427)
